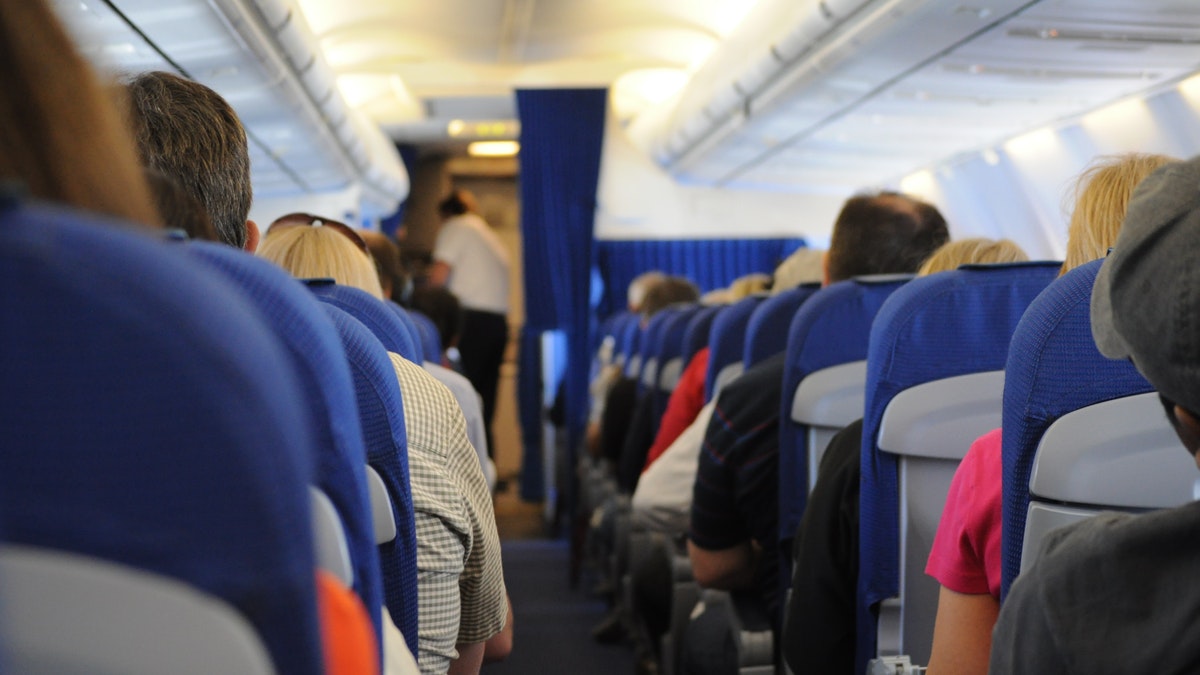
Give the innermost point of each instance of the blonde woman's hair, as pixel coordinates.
(61, 131)
(1101, 196)
(748, 285)
(309, 252)
(976, 251)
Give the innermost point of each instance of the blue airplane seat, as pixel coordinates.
(767, 331)
(431, 340)
(699, 328)
(628, 341)
(943, 326)
(396, 334)
(317, 356)
(381, 412)
(726, 343)
(670, 355)
(827, 335)
(1053, 368)
(648, 349)
(150, 419)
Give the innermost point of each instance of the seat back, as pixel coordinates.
(695, 336)
(431, 340)
(396, 334)
(648, 349)
(1119, 455)
(1053, 368)
(318, 358)
(628, 341)
(381, 413)
(726, 343)
(767, 330)
(66, 614)
(670, 355)
(824, 375)
(151, 419)
(934, 372)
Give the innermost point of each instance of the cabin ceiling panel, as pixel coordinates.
(892, 108)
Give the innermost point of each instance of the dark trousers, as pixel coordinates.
(481, 346)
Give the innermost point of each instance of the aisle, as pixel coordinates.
(553, 622)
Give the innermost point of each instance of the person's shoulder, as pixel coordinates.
(757, 389)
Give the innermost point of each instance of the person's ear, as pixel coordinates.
(825, 281)
(1188, 429)
(252, 236)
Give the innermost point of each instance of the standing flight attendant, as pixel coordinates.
(469, 259)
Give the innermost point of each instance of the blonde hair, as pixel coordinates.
(748, 285)
(976, 251)
(309, 252)
(62, 134)
(1102, 195)
(805, 265)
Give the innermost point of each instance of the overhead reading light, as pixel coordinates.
(493, 148)
(455, 127)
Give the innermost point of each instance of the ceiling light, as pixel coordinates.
(990, 157)
(493, 148)
(455, 127)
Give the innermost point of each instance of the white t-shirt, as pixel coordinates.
(662, 501)
(478, 263)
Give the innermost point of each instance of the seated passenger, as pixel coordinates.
(819, 628)
(443, 309)
(50, 94)
(966, 551)
(461, 596)
(1113, 594)
(733, 538)
(191, 135)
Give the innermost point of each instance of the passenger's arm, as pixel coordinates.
(962, 633)
(500, 645)
(727, 569)
(438, 273)
(470, 659)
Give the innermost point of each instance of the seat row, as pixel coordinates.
(929, 365)
(191, 420)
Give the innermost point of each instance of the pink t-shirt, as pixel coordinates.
(966, 551)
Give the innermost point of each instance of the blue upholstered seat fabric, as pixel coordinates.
(1053, 368)
(727, 339)
(151, 418)
(830, 328)
(767, 331)
(395, 333)
(317, 356)
(381, 412)
(695, 336)
(431, 341)
(671, 348)
(944, 325)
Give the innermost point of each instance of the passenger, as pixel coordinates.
(733, 538)
(683, 407)
(976, 251)
(820, 624)
(1114, 593)
(966, 551)
(191, 135)
(392, 278)
(461, 598)
(470, 260)
(180, 210)
(188, 133)
(609, 370)
(447, 316)
(51, 96)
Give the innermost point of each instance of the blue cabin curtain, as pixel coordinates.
(562, 132)
(710, 263)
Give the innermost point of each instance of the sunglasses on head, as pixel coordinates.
(309, 220)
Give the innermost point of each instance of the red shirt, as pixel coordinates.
(685, 403)
(966, 550)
